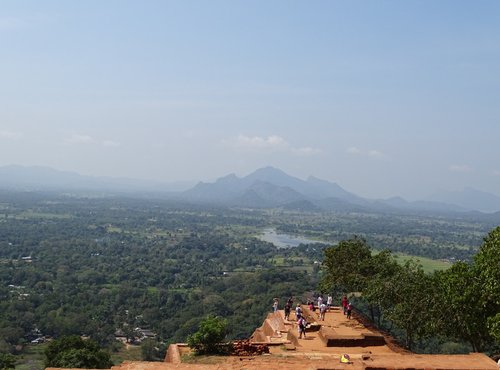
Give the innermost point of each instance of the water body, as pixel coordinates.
(284, 240)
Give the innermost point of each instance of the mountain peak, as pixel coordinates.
(228, 178)
(268, 171)
(272, 175)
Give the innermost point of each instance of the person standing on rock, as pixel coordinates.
(329, 301)
(275, 305)
(320, 300)
(288, 308)
(349, 310)
(298, 311)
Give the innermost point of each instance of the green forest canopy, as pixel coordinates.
(75, 266)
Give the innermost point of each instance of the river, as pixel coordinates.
(284, 240)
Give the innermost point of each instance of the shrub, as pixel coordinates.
(7, 361)
(74, 352)
(209, 337)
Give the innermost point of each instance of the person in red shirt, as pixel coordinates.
(345, 302)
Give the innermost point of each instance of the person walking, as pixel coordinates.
(322, 311)
(320, 300)
(344, 302)
(301, 327)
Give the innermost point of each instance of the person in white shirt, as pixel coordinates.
(322, 311)
(329, 301)
(298, 311)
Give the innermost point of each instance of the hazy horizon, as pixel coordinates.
(385, 98)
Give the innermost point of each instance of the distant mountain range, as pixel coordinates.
(469, 198)
(267, 187)
(270, 187)
(48, 179)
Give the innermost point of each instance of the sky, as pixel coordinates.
(386, 98)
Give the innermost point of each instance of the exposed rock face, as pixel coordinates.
(247, 348)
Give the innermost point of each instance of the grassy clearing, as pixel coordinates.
(306, 269)
(31, 214)
(127, 353)
(152, 290)
(205, 360)
(287, 261)
(32, 358)
(114, 229)
(429, 265)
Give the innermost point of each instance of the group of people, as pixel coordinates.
(301, 321)
(322, 306)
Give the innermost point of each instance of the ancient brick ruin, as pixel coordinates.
(326, 341)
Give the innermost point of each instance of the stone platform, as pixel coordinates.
(326, 341)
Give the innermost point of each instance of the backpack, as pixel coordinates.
(302, 323)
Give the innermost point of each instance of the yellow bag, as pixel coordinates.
(345, 359)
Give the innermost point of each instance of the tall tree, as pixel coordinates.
(384, 267)
(346, 266)
(406, 298)
(470, 296)
(74, 352)
(458, 313)
(487, 269)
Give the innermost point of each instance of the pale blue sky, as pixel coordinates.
(384, 97)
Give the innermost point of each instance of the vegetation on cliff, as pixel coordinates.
(210, 336)
(461, 303)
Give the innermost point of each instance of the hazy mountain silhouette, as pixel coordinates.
(264, 188)
(400, 203)
(326, 189)
(469, 198)
(32, 178)
(268, 187)
(271, 187)
(266, 194)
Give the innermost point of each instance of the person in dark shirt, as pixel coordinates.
(287, 311)
(349, 310)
